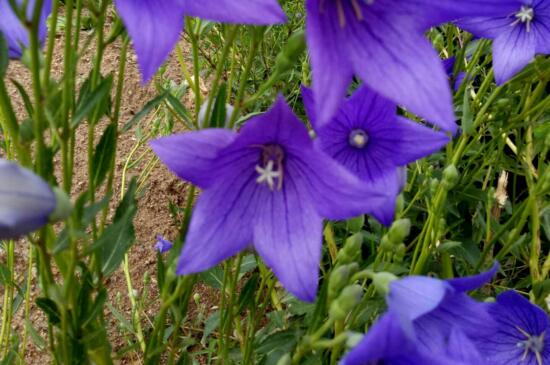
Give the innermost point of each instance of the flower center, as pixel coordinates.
(355, 4)
(525, 15)
(534, 344)
(270, 167)
(358, 138)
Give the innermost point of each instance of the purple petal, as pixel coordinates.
(386, 339)
(26, 201)
(455, 310)
(336, 192)
(259, 12)
(15, 33)
(405, 141)
(461, 348)
(401, 64)
(309, 104)
(486, 27)
(154, 27)
(288, 237)
(389, 182)
(469, 283)
(223, 217)
(331, 69)
(415, 296)
(512, 51)
(517, 318)
(192, 156)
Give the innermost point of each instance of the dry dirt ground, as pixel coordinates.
(153, 215)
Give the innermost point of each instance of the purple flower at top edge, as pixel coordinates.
(523, 332)
(373, 142)
(163, 245)
(429, 321)
(155, 25)
(26, 201)
(266, 187)
(14, 32)
(518, 33)
(383, 43)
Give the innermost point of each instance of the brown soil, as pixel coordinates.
(153, 215)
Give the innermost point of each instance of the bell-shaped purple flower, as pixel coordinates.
(520, 29)
(373, 142)
(523, 332)
(163, 245)
(26, 201)
(429, 321)
(155, 25)
(15, 32)
(266, 187)
(383, 43)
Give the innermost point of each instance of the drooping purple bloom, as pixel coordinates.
(523, 332)
(520, 29)
(15, 32)
(383, 43)
(26, 201)
(155, 25)
(266, 187)
(436, 306)
(163, 245)
(429, 321)
(373, 142)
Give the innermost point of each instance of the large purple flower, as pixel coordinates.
(429, 321)
(372, 141)
(382, 42)
(519, 30)
(267, 186)
(523, 332)
(26, 201)
(15, 33)
(155, 25)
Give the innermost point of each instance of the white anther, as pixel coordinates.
(267, 174)
(525, 15)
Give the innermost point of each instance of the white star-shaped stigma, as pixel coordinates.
(525, 15)
(267, 174)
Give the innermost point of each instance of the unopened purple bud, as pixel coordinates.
(26, 201)
(163, 245)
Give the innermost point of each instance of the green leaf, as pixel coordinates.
(104, 154)
(180, 110)
(26, 98)
(152, 104)
(50, 308)
(117, 238)
(210, 325)
(213, 277)
(217, 120)
(89, 101)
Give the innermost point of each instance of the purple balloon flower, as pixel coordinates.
(155, 25)
(163, 245)
(267, 186)
(373, 142)
(26, 201)
(429, 321)
(383, 43)
(523, 332)
(15, 33)
(520, 29)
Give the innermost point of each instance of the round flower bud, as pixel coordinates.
(339, 278)
(382, 280)
(450, 177)
(294, 48)
(348, 299)
(399, 230)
